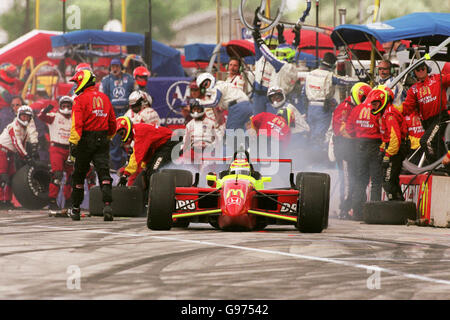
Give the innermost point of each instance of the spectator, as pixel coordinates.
(385, 77)
(93, 125)
(222, 96)
(59, 124)
(394, 136)
(344, 146)
(13, 141)
(364, 127)
(428, 97)
(117, 86)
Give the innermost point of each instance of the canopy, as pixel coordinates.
(203, 52)
(165, 60)
(35, 43)
(425, 28)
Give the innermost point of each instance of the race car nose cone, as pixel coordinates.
(234, 206)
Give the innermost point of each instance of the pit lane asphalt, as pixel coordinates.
(44, 257)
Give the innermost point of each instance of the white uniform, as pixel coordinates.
(14, 137)
(223, 95)
(146, 115)
(319, 85)
(201, 134)
(58, 126)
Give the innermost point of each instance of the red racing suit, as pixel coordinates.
(361, 123)
(271, 125)
(59, 131)
(415, 129)
(340, 117)
(92, 111)
(394, 130)
(424, 96)
(147, 139)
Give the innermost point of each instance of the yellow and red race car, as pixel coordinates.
(237, 199)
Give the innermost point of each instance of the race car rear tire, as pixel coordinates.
(314, 199)
(389, 212)
(30, 186)
(127, 201)
(161, 201)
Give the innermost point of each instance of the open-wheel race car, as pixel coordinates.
(237, 199)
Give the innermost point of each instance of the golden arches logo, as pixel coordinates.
(235, 192)
(97, 103)
(365, 113)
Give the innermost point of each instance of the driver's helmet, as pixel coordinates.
(240, 167)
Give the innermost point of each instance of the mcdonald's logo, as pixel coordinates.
(235, 192)
(97, 103)
(365, 113)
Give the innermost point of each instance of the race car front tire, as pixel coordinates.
(161, 201)
(183, 178)
(314, 199)
(389, 212)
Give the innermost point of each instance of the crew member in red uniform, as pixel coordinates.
(364, 127)
(394, 134)
(59, 124)
(153, 147)
(344, 146)
(93, 126)
(428, 97)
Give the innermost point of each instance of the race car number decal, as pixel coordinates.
(288, 207)
(185, 205)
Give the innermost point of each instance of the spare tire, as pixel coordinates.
(389, 212)
(127, 201)
(30, 186)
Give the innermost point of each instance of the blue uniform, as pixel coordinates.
(118, 89)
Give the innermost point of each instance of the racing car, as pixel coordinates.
(237, 199)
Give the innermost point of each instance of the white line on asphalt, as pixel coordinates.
(293, 255)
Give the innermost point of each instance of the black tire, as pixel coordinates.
(389, 212)
(30, 186)
(127, 201)
(141, 184)
(183, 178)
(314, 201)
(161, 201)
